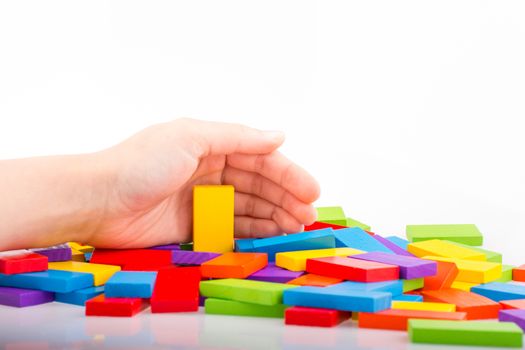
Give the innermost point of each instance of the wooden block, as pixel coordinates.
(506, 273)
(513, 304)
(444, 277)
(145, 266)
(407, 297)
(80, 296)
(463, 233)
(392, 246)
(409, 267)
(352, 269)
(489, 254)
(296, 260)
(122, 307)
(500, 291)
(308, 316)
(320, 225)
(473, 271)
(518, 273)
(213, 212)
(101, 273)
(20, 261)
(61, 252)
(398, 319)
(400, 242)
(393, 287)
(413, 284)
(234, 265)
(426, 306)
(21, 297)
(50, 280)
(476, 306)
(463, 285)
(127, 256)
(331, 215)
(517, 316)
(354, 223)
(437, 247)
(488, 333)
(176, 289)
(358, 239)
(130, 284)
(238, 308)
(272, 273)
(184, 257)
(314, 280)
(255, 292)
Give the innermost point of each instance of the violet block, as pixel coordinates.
(20, 297)
(188, 257)
(513, 315)
(409, 267)
(392, 246)
(61, 252)
(272, 273)
(166, 247)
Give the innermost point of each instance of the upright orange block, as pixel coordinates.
(518, 273)
(314, 280)
(234, 265)
(398, 319)
(513, 304)
(446, 274)
(476, 306)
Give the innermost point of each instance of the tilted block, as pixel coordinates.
(239, 308)
(516, 316)
(331, 215)
(500, 291)
(80, 296)
(352, 269)
(463, 233)
(398, 319)
(317, 225)
(400, 242)
(473, 271)
(61, 252)
(476, 306)
(426, 306)
(183, 257)
(255, 292)
(176, 289)
(513, 304)
(392, 246)
(409, 267)
(120, 307)
(272, 273)
(128, 256)
(407, 297)
(444, 277)
(437, 247)
(101, 273)
(20, 297)
(487, 333)
(130, 284)
(234, 265)
(359, 239)
(20, 261)
(296, 260)
(314, 280)
(355, 223)
(518, 273)
(50, 280)
(317, 317)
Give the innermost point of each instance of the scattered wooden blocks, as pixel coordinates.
(314, 280)
(500, 291)
(20, 261)
(19, 297)
(398, 319)
(238, 308)
(296, 260)
(130, 284)
(437, 247)
(475, 305)
(176, 289)
(307, 316)
(234, 265)
(50, 280)
(352, 269)
(121, 307)
(462, 233)
(80, 296)
(409, 267)
(358, 239)
(101, 273)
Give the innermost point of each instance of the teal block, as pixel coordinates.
(79, 297)
(130, 284)
(498, 291)
(407, 297)
(50, 280)
(400, 242)
(244, 245)
(331, 215)
(357, 238)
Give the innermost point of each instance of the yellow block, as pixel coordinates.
(416, 305)
(81, 248)
(296, 260)
(101, 273)
(473, 271)
(463, 285)
(437, 247)
(213, 213)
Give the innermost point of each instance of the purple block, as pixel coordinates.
(409, 267)
(272, 273)
(201, 300)
(61, 252)
(188, 257)
(393, 247)
(513, 315)
(166, 247)
(20, 297)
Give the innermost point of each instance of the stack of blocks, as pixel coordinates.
(433, 285)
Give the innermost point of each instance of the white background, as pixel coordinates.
(405, 111)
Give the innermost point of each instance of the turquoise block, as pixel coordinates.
(357, 238)
(400, 242)
(244, 245)
(50, 280)
(333, 298)
(500, 291)
(130, 284)
(79, 297)
(407, 297)
(393, 287)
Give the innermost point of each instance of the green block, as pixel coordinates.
(506, 274)
(254, 292)
(462, 233)
(491, 256)
(413, 284)
(481, 333)
(186, 246)
(238, 308)
(331, 215)
(354, 223)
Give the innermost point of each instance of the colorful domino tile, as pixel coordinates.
(176, 289)
(239, 308)
(124, 257)
(272, 273)
(317, 317)
(20, 297)
(409, 267)
(500, 291)
(119, 307)
(396, 319)
(463, 233)
(234, 265)
(20, 261)
(358, 239)
(475, 305)
(473, 271)
(352, 269)
(50, 280)
(79, 296)
(296, 260)
(61, 252)
(331, 215)
(101, 273)
(437, 247)
(130, 284)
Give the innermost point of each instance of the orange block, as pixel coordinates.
(518, 273)
(446, 274)
(398, 319)
(513, 304)
(476, 306)
(314, 280)
(234, 265)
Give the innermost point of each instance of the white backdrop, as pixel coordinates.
(405, 111)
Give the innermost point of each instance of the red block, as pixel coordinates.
(145, 266)
(176, 289)
(398, 319)
(234, 265)
(319, 225)
(20, 261)
(123, 307)
(513, 304)
(131, 256)
(446, 274)
(518, 273)
(352, 269)
(309, 316)
(476, 306)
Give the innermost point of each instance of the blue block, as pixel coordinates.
(244, 245)
(317, 239)
(407, 297)
(130, 284)
(79, 297)
(332, 298)
(393, 287)
(500, 291)
(400, 242)
(357, 238)
(50, 280)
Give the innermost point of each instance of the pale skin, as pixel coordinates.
(139, 192)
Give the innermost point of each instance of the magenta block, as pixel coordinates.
(20, 297)
(188, 257)
(61, 252)
(513, 315)
(393, 247)
(409, 267)
(272, 273)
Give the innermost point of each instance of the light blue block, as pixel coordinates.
(244, 245)
(400, 242)
(393, 287)
(407, 297)
(79, 297)
(50, 280)
(332, 298)
(130, 284)
(500, 291)
(357, 238)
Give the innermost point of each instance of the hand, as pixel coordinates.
(149, 199)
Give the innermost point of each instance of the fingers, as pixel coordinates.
(251, 206)
(255, 184)
(226, 138)
(280, 170)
